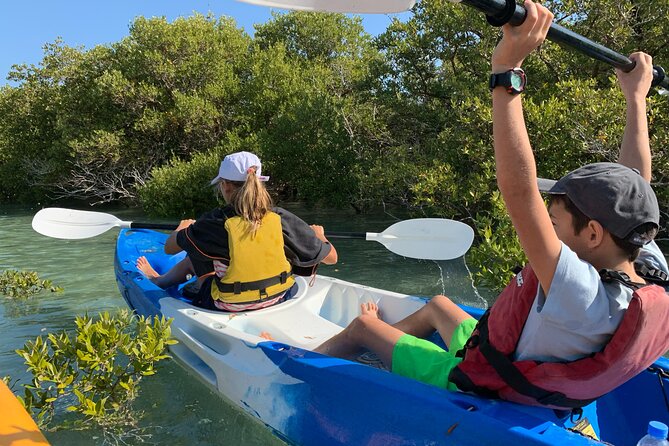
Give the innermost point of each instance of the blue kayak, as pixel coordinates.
(311, 399)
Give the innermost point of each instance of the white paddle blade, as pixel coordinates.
(71, 224)
(427, 238)
(344, 6)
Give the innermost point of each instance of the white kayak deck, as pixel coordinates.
(312, 316)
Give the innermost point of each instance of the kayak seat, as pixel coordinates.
(342, 304)
(297, 327)
(323, 310)
(315, 315)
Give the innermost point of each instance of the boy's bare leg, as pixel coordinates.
(177, 274)
(369, 332)
(440, 314)
(366, 331)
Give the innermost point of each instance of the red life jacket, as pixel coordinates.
(489, 367)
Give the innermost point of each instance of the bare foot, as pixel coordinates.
(370, 309)
(265, 335)
(145, 267)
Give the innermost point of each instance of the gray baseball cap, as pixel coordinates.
(618, 197)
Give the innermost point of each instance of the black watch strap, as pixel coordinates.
(513, 80)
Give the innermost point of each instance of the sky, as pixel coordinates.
(26, 25)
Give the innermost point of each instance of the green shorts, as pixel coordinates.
(424, 361)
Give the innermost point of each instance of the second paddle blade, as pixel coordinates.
(72, 224)
(344, 6)
(427, 238)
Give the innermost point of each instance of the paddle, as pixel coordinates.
(419, 238)
(343, 6)
(498, 12)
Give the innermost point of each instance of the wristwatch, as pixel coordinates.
(513, 80)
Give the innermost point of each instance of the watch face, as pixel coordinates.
(516, 80)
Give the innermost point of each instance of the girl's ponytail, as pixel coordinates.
(251, 200)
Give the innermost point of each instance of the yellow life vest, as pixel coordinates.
(258, 268)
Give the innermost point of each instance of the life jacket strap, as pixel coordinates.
(256, 285)
(610, 275)
(653, 275)
(514, 378)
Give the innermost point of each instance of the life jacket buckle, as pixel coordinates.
(237, 288)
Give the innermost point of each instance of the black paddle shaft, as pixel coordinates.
(165, 226)
(501, 11)
(349, 235)
(172, 227)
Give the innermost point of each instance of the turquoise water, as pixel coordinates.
(178, 409)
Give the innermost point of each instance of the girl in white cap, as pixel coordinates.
(245, 253)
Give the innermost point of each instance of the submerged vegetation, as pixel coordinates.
(94, 373)
(340, 118)
(22, 284)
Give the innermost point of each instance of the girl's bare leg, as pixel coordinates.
(176, 275)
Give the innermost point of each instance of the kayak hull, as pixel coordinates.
(17, 428)
(308, 398)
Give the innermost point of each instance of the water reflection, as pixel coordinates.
(179, 410)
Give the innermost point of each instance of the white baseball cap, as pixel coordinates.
(235, 166)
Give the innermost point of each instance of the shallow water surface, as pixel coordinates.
(178, 409)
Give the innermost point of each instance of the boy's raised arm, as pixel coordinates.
(635, 148)
(516, 169)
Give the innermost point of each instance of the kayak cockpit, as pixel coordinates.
(312, 316)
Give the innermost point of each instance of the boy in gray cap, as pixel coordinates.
(600, 217)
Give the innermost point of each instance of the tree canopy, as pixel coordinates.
(339, 117)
